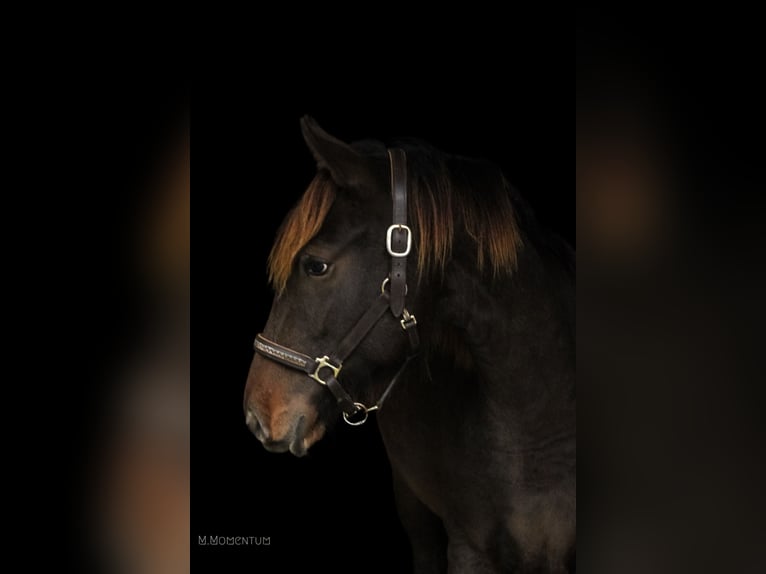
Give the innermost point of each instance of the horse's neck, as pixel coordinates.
(519, 332)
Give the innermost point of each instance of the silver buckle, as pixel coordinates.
(389, 233)
(321, 363)
(408, 320)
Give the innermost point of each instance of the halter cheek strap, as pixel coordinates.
(326, 369)
(398, 236)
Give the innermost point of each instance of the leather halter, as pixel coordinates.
(398, 245)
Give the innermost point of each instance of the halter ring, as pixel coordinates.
(359, 407)
(386, 281)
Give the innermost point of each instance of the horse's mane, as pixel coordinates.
(448, 195)
(300, 226)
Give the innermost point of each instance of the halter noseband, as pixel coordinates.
(398, 245)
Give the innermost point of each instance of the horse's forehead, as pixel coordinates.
(352, 214)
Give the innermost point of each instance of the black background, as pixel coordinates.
(251, 166)
(84, 127)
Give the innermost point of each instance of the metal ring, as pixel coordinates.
(383, 286)
(359, 407)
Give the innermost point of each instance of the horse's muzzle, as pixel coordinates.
(291, 438)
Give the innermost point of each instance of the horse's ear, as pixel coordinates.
(346, 166)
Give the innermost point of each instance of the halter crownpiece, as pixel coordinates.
(326, 369)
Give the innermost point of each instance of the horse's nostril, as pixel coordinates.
(260, 430)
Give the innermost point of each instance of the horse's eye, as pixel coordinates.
(315, 267)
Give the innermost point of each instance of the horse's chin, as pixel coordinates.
(297, 434)
(301, 444)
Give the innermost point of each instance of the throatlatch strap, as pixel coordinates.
(414, 338)
(401, 238)
(393, 381)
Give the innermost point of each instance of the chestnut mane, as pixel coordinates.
(447, 196)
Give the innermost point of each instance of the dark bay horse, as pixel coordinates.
(409, 257)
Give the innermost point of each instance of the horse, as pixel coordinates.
(408, 275)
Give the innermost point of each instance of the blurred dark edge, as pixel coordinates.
(671, 206)
(87, 145)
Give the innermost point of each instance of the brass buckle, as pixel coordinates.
(323, 362)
